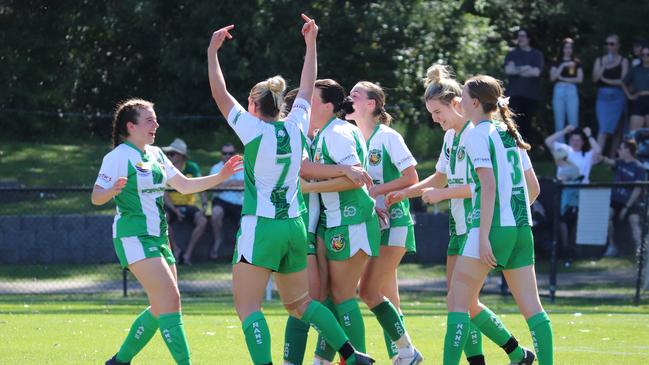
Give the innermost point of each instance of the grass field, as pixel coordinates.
(88, 330)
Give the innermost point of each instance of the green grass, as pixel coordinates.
(84, 330)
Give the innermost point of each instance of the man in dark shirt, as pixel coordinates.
(523, 66)
(625, 202)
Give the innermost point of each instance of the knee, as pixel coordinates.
(297, 309)
(217, 213)
(201, 221)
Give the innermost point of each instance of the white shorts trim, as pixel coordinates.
(472, 245)
(246, 241)
(133, 249)
(398, 236)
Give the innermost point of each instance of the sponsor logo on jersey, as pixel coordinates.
(474, 216)
(375, 157)
(153, 249)
(143, 169)
(461, 153)
(396, 213)
(105, 177)
(349, 211)
(338, 242)
(160, 189)
(317, 155)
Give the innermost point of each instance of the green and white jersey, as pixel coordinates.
(489, 145)
(388, 156)
(342, 143)
(312, 199)
(453, 162)
(272, 158)
(140, 205)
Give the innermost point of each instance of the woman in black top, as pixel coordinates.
(566, 72)
(608, 72)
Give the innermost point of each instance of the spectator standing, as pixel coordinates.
(226, 204)
(638, 44)
(636, 87)
(523, 66)
(183, 206)
(608, 72)
(625, 202)
(566, 73)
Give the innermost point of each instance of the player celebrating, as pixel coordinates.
(272, 237)
(500, 235)
(442, 98)
(135, 174)
(392, 167)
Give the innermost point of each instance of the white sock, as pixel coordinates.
(405, 346)
(317, 360)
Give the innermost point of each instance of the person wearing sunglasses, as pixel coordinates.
(226, 205)
(636, 87)
(608, 72)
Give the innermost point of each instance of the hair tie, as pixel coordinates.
(502, 101)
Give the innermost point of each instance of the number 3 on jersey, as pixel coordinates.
(514, 161)
(278, 196)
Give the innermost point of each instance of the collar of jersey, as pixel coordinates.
(376, 129)
(484, 121)
(316, 138)
(463, 129)
(135, 148)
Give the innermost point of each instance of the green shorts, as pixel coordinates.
(276, 244)
(343, 242)
(455, 244)
(513, 247)
(311, 244)
(130, 250)
(399, 237)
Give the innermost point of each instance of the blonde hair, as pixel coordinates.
(376, 93)
(268, 96)
(488, 91)
(440, 84)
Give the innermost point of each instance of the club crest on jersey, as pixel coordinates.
(461, 153)
(375, 157)
(338, 243)
(143, 169)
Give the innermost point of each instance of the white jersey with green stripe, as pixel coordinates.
(489, 145)
(312, 199)
(453, 163)
(272, 158)
(140, 205)
(342, 143)
(387, 157)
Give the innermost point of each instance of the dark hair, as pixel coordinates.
(126, 111)
(527, 32)
(586, 143)
(332, 92)
(640, 41)
(376, 93)
(488, 91)
(631, 145)
(289, 99)
(565, 41)
(268, 96)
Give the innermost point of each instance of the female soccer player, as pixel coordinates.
(500, 235)
(272, 237)
(442, 98)
(135, 174)
(392, 167)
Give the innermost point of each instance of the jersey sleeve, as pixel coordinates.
(527, 163)
(169, 167)
(444, 156)
(477, 147)
(341, 148)
(402, 158)
(110, 170)
(300, 114)
(245, 125)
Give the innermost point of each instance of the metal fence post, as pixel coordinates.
(555, 241)
(125, 282)
(641, 250)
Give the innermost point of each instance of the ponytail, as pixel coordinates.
(268, 96)
(385, 117)
(126, 111)
(508, 118)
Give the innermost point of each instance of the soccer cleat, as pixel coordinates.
(416, 358)
(528, 359)
(359, 358)
(113, 361)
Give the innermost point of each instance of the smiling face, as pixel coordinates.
(143, 131)
(576, 142)
(363, 105)
(446, 115)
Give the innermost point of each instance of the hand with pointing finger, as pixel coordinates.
(309, 30)
(219, 37)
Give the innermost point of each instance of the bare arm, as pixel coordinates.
(434, 195)
(328, 186)
(635, 194)
(549, 141)
(310, 67)
(533, 187)
(555, 72)
(186, 185)
(487, 204)
(598, 69)
(313, 170)
(220, 93)
(408, 178)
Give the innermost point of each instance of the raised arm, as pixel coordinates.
(310, 67)
(193, 185)
(220, 93)
(549, 141)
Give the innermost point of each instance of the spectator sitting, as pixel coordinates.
(180, 206)
(226, 204)
(625, 202)
(523, 66)
(636, 87)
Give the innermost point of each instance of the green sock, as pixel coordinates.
(349, 315)
(490, 325)
(473, 345)
(257, 334)
(541, 330)
(457, 333)
(325, 323)
(173, 334)
(323, 349)
(142, 330)
(295, 337)
(389, 319)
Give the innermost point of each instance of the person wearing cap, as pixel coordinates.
(183, 207)
(226, 204)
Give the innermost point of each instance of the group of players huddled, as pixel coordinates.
(326, 212)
